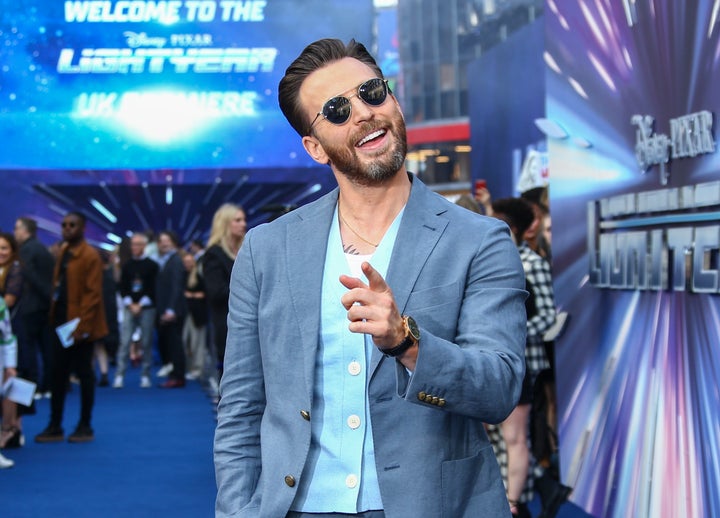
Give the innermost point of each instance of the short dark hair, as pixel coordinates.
(78, 215)
(29, 224)
(518, 211)
(313, 57)
(172, 235)
(537, 196)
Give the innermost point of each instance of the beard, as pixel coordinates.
(345, 159)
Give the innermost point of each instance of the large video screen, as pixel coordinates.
(149, 84)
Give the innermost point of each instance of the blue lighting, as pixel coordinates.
(103, 210)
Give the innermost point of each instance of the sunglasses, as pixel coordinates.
(337, 110)
(68, 224)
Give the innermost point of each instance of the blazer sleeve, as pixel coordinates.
(242, 402)
(478, 369)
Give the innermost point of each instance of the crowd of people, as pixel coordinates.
(526, 442)
(362, 340)
(70, 312)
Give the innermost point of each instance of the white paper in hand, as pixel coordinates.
(19, 390)
(65, 331)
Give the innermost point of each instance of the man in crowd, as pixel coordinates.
(171, 310)
(37, 264)
(77, 296)
(371, 333)
(137, 289)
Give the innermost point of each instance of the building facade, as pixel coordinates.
(436, 42)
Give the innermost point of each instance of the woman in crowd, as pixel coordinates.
(226, 235)
(8, 360)
(194, 328)
(540, 306)
(11, 282)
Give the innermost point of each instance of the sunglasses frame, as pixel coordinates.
(357, 93)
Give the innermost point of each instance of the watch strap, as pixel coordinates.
(400, 348)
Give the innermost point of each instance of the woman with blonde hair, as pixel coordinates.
(226, 235)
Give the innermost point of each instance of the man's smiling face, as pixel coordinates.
(370, 147)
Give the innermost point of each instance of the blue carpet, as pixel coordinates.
(152, 456)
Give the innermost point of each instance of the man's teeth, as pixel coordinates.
(373, 135)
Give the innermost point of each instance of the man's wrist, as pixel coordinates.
(412, 338)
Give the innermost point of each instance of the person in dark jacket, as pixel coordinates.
(37, 263)
(77, 297)
(171, 307)
(226, 235)
(137, 290)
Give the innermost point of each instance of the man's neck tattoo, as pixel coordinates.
(350, 249)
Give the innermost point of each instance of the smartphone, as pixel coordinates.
(480, 184)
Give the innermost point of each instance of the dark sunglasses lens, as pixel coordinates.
(373, 92)
(337, 110)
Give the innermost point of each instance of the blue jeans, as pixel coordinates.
(145, 320)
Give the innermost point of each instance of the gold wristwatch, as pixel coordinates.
(412, 337)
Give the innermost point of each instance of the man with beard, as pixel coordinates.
(76, 296)
(372, 332)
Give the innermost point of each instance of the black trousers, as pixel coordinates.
(170, 340)
(36, 343)
(78, 359)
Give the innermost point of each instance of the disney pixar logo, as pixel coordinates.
(690, 136)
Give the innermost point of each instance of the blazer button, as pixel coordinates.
(435, 400)
(305, 414)
(421, 396)
(441, 402)
(290, 480)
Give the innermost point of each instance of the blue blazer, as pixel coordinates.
(459, 275)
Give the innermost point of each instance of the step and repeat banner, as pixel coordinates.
(142, 84)
(635, 194)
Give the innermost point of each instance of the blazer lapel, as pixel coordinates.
(420, 230)
(305, 237)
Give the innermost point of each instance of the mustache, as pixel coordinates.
(369, 127)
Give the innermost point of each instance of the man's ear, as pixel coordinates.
(315, 149)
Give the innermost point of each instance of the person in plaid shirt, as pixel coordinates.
(8, 358)
(540, 307)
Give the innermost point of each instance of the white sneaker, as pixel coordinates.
(145, 382)
(5, 462)
(118, 382)
(165, 370)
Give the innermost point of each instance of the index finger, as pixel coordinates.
(375, 280)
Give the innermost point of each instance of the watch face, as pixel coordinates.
(413, 328)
